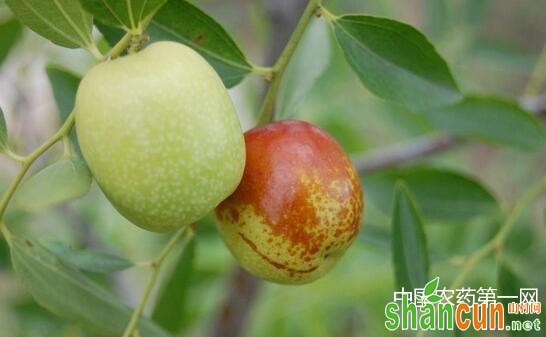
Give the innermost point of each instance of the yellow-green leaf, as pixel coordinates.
(65, 180)
(71, 295)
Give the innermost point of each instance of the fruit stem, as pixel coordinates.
(120, 47)
(130, 39)
(67, 144)
(26, 162)
(267, 113)
(187, 233)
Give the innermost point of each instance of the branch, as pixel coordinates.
(243, 288)
(401, 153)
(232, 314)
(267, 112)
(26, 162)
(424, 146)
(186, 232)
(472, 260)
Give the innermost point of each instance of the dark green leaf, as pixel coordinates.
(71, 295)
(442, 194)
(3, 133)
(180, 21)
(431, 287)
(409, 245)
(396, 62)
(65, 180)
(64, 85)
(121, 13)
(493, 120)
(9, 34)
(88, 259)
(171, 305)
(112, 35)
(63, 22)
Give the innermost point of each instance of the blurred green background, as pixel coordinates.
(491, 46)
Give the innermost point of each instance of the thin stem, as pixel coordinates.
(498, 240)
(266, 72)
(267, 112)
(14, 156)
(327, 14)
(538, 76)
(187, 232)
(93, 50)
(67, 145)
(405, 152)
(120, 47)
(27, 162)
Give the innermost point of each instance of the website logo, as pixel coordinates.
(434, 308)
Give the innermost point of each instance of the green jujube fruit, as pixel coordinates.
(160, 135)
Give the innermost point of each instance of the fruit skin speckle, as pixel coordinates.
(298, 207)
(160, 135)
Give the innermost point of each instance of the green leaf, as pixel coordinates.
(491, 119)
(434, 298)
(180, 21)
(9, 34)
(431, 287)
(64, 85)
(171, 305)
(3, 133)
(69, 294)
(112, 35)
(65, 180)
(442, 194)
(122, 13)
(88, 259)
(63, 22)
(409, 245)
(309, 62)
(396, 62)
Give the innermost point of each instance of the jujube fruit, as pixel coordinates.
(298, 206)
(160, 135)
